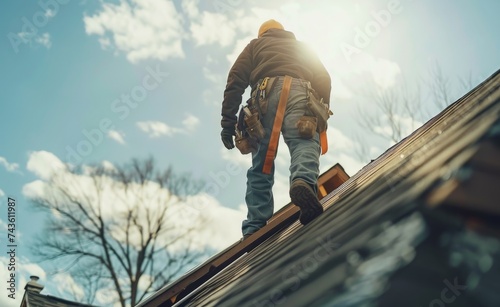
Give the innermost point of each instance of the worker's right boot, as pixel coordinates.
(303, 196)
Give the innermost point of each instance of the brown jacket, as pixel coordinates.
(276, 53)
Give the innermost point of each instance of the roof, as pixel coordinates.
(33, 299)
(170, 294)
(419, 225)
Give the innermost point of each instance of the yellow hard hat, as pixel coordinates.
(270, 24)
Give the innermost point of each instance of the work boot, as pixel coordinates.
(303, 196)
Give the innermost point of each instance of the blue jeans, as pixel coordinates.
(304, 156)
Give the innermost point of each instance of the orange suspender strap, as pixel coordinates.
(323, 142)
(278, 122)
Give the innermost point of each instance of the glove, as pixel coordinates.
(227, 137)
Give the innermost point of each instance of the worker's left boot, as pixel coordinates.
(303, 196)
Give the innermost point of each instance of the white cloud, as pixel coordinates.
(406, 123)
(24, 269)
(340, 150)
(384, 72)
(34, 189)
(11, 167)
(67, 285)
(105, 42)
(134, 26)
(213, 28)
(350, 164)
(338, 140)
(60, 285)
(190, 8)
(50, 13)
(375, 151)
(218, 28)
(211, 75)
(106, 296)
(223, 225)
(339, 89)
(386, 131)
(2, 194)
(117, 136)
(108, 165)
(191, 122)
(156, 129)
(44, 40)
(201, 209)
(304, 21)
(44, 164)
(244, 161)
(34, 40)
(149, 29)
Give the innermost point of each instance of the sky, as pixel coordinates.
(103, 82)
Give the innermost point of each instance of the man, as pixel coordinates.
(278, 55)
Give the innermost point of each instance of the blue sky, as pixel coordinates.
(67, 72)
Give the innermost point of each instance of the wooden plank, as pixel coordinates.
(322, 191)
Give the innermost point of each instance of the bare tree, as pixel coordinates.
(109, 227)
(395, 108)
(402, 109)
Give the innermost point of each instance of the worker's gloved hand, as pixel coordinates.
(227, 137)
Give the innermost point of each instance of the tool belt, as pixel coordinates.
(321, 111)
(261, 92)
(318, 109)
(250, 131)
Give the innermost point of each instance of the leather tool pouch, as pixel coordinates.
(307, 126)
(319, 109)
(254, 126)
(243, 141)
